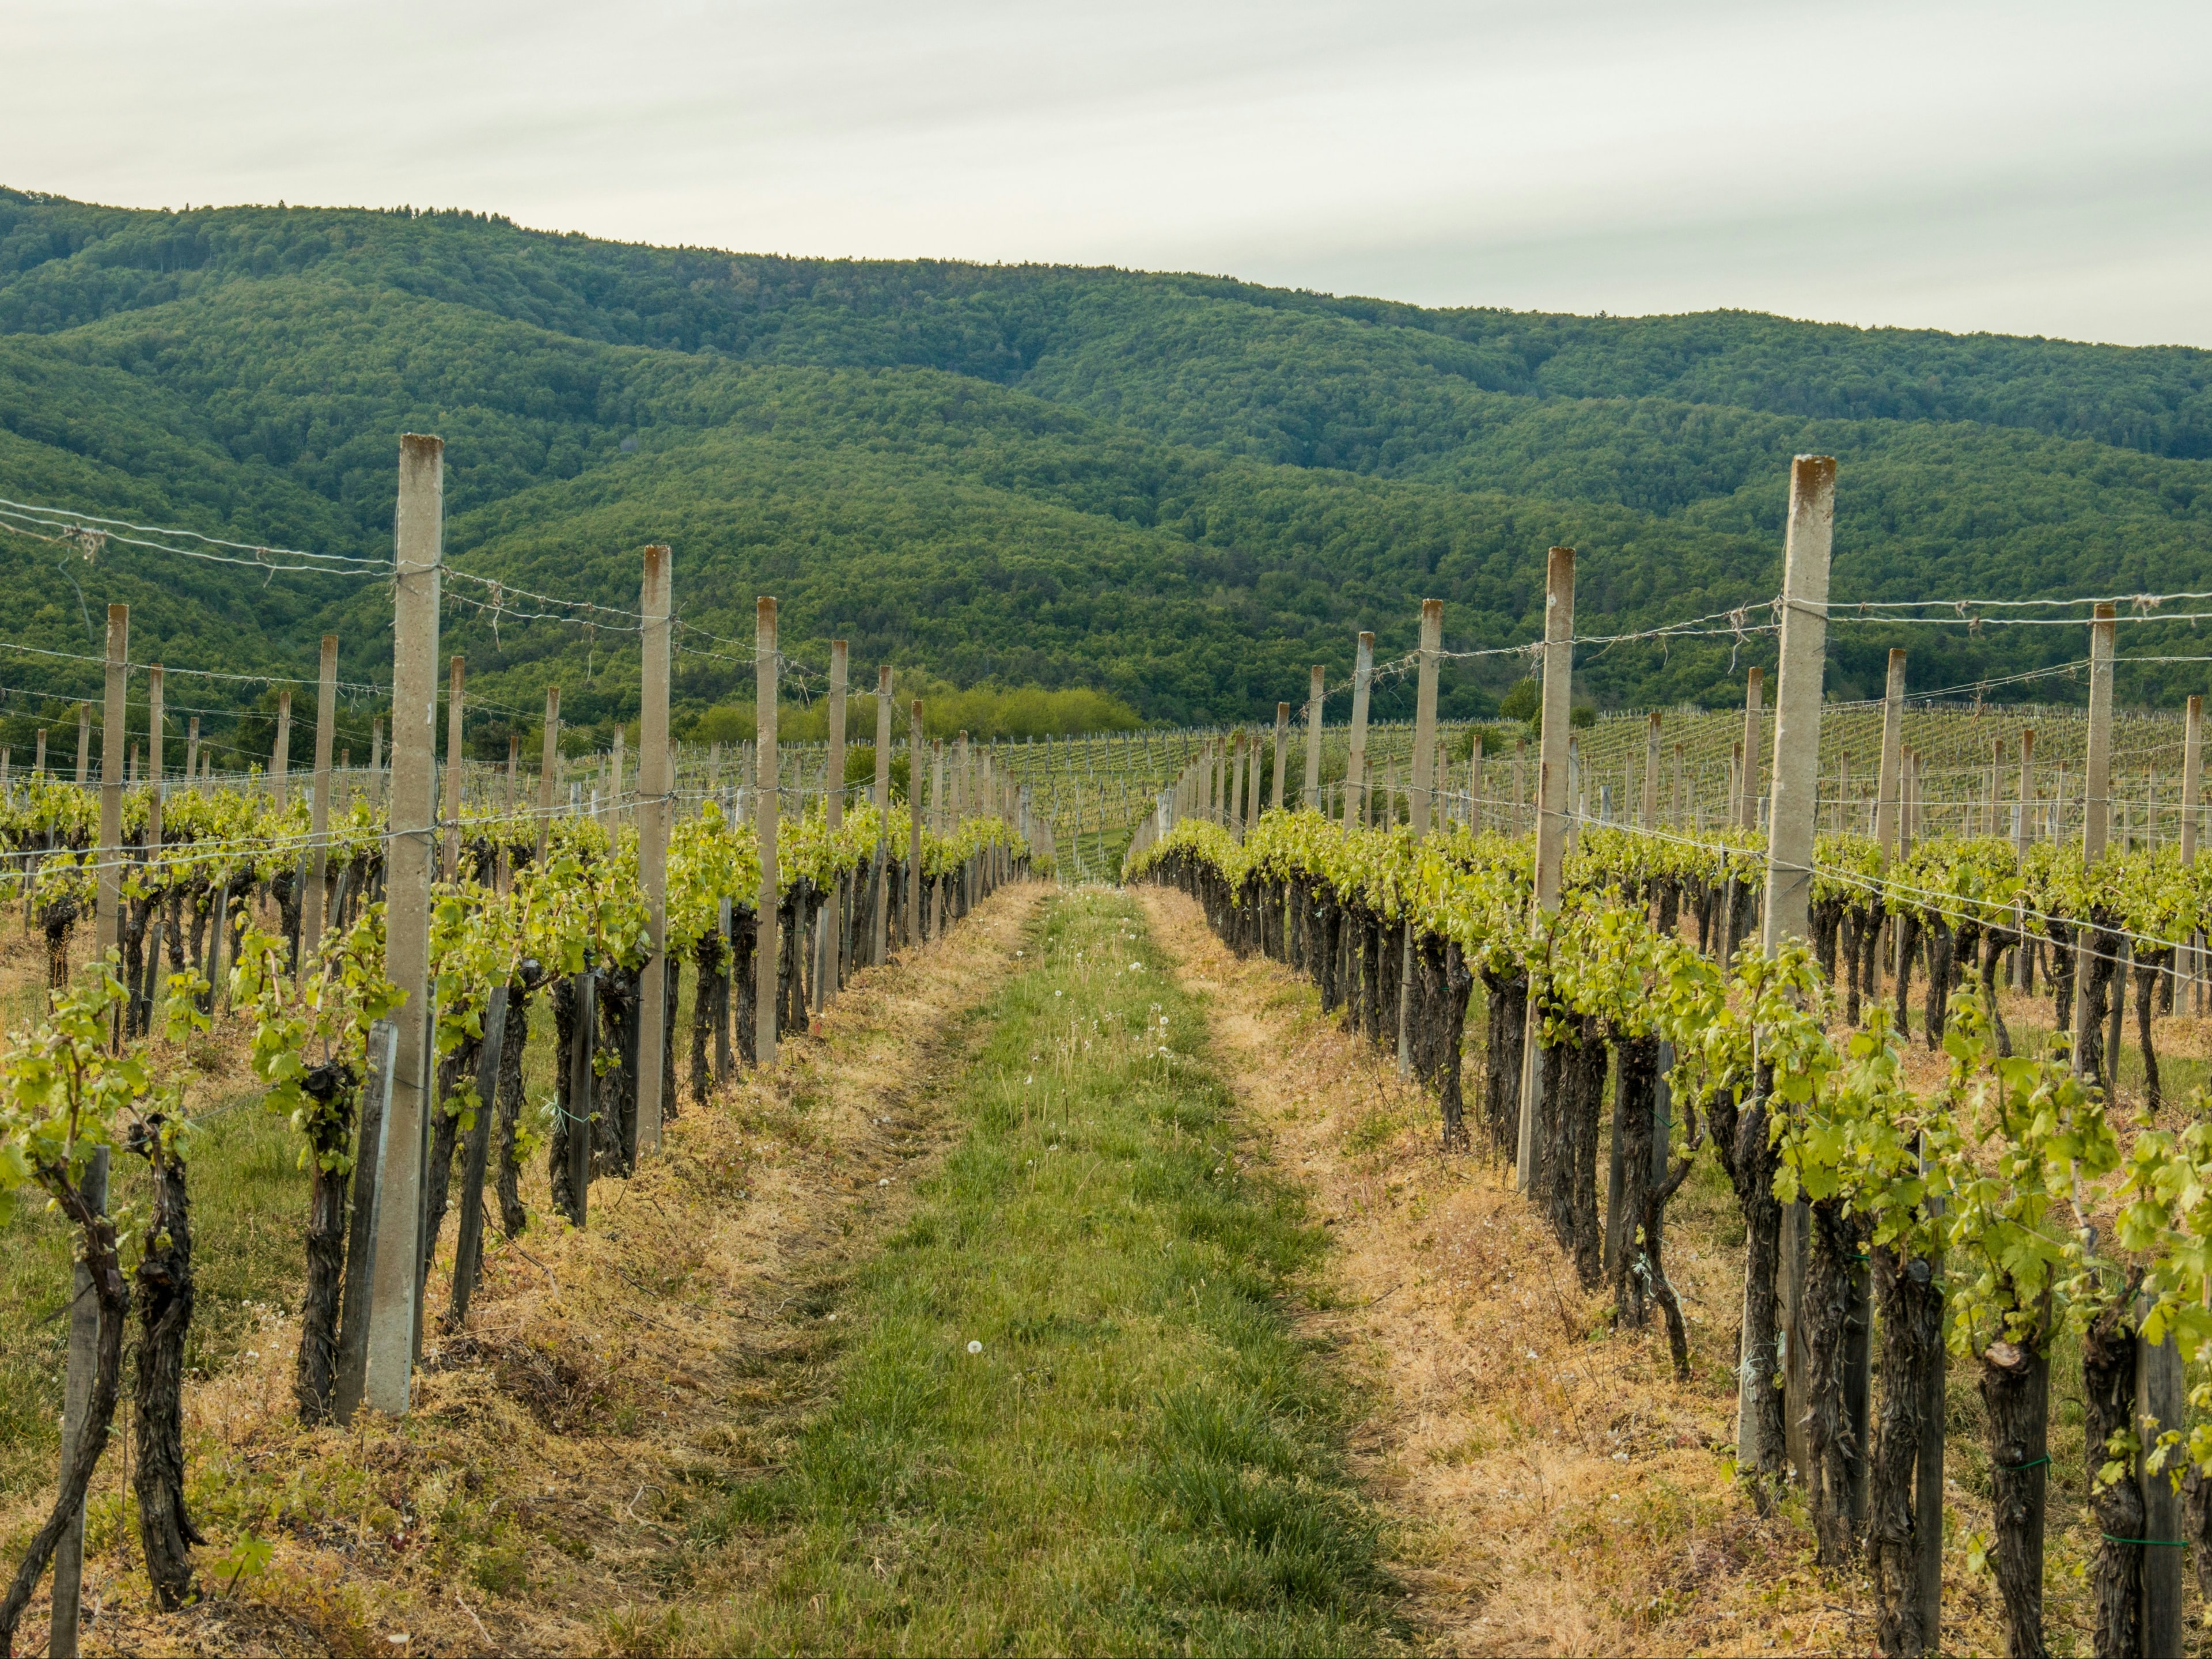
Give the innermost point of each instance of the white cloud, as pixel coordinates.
(2033, 168)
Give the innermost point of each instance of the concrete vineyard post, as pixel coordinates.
(1282, 750)
(2192, 785)
(1314, 706)
(318, 814)
(113, 713)
(1551, 812)
(1355, 768)
(280, 754)
(1887, 796)
(155, 720)
(883, 810)
(1792, 819)
(913, 825)
(766, 956)
(655, 797)
(2096, 803)
(192, 751)
(1421, 806)
(827, 967)
(1746, 802)
(2192, 775)
(1235, 816)
(417, 556)
(549, 768)
(376, 762)
(449, 862)
(2021, 830)
(1651, 803)
(84, 744)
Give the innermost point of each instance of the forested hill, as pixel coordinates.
(1181, 489)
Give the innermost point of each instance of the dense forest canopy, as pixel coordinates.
(1175, 490)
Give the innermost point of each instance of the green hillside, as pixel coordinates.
(1179, 489)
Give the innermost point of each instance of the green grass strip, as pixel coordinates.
(1141, 1455)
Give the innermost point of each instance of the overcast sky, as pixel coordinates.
(2032, 166)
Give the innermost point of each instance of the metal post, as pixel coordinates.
(318, 811)
(654, 796)
(468, 1245)
(1551, 812)
(766, 956)
(418, 558)
(112, 716)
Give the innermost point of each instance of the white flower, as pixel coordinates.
(975, 1347)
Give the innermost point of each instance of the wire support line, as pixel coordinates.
(91, 532)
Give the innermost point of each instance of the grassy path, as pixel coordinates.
(1071, 1413)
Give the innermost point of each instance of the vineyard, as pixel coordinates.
(1894, 1005)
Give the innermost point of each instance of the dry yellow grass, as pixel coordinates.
(1559, 1491)
(520, 1506)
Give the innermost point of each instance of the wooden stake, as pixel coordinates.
(654, 795)
(418, 557)
(1552, 809)
(767, 957)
